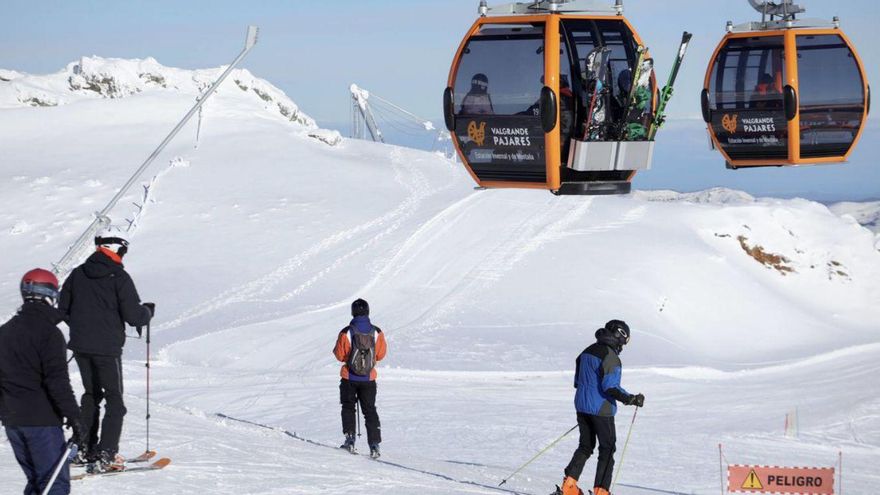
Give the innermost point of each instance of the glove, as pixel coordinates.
(78, 436)
(152, 308)
(637, 400)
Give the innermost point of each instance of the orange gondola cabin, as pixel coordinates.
(516, 99)
(785, 91)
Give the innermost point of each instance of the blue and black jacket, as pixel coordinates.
(597, 379)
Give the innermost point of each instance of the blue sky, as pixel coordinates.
(400, 50)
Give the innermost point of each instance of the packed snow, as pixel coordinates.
(254, 243)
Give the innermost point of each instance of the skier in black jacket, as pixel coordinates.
(98, 299)
(35, 393)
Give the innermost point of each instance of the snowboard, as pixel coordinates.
(596, 125)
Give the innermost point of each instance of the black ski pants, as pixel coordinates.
(102, 380)
(594, 428)
(351, 392)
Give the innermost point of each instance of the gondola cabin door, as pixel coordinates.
(504, 107)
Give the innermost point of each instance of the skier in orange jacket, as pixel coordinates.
(359, 346)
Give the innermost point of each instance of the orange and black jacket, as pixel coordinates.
(343, 347)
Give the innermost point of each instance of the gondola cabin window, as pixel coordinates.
(831, 95)
(501, 71)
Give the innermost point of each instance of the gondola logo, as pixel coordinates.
(477, 133)
(729, 123)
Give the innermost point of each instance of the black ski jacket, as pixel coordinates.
(34, 384)
(97, 300)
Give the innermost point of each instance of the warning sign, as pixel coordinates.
(785, 480)
(752, 481)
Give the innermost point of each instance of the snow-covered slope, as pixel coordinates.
(254, 244)
(866, 214)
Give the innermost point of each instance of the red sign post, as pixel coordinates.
(782, 480)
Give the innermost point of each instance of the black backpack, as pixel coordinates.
(362, 358)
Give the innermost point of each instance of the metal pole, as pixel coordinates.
(539, 454)
(148, 388)
(101, 217)
(721, 468)
(840, 472)
(623, 452)
(357, 413)
(69, 452)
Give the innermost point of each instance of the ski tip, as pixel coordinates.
(161, 463)
(502, 482)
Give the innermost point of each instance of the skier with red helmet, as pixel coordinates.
(98, 299)
(36, 398)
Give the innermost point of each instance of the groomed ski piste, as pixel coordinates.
(253, 245)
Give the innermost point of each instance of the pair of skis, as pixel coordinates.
(636, 122)
(144, 463)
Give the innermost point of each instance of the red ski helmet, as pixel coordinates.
(39, 285)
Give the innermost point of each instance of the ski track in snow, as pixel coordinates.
(371, 233)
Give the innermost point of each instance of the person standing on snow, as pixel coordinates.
(360, 346)
(35, 393)
(597, 380)
(98, 299)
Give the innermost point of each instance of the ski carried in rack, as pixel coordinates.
(637, 111)
(666, 93)
(155, 466)
(597, 112)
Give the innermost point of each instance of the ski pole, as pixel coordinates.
(357, 413)
(148, 387)
(69, 452)
(623, 452)
(539, 454)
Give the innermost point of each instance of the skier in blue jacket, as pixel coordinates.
(597, 380)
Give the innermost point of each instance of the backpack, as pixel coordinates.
(362, 358)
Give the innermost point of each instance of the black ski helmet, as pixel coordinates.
(479, 83)
(39, 285)
(360, 308)
(619, 330)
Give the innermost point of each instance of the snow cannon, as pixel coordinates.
(549, 95)
(785, 91)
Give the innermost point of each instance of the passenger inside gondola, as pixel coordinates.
(766, 96)
(477, 101)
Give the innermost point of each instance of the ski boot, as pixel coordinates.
(569, 487)
(374, 451)
(106, 462)
(80, 459)
(349, 443)
(600, 491)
